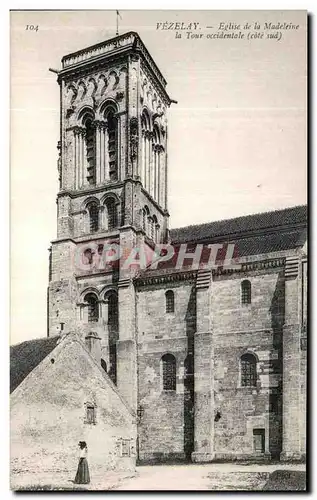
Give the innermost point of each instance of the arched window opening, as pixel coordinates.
(146, 150)
(90, 151)
(246, 292)
(151, 227)
(145, 221)
(169, 372)
(157, 233)
(154, 228)
(93, 211)
(103, 365)
(93, 307)
(112, 130)
(156, 162)
(248, 370)
(169, 301)
(112, 214)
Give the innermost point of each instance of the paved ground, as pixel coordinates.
(203, 477)
(225, 477)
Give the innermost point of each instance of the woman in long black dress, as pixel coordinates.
(82, 476)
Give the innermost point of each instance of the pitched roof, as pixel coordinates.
(241, 225)
(256, 234)
(26, 356)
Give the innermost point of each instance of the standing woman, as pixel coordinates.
(82, 476)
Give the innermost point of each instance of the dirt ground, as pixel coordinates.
(223, 477)
(217, 477)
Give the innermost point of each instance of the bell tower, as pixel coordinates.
(113, 189)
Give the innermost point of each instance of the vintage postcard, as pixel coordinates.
(159, 194)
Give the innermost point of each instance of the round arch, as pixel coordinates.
(84, 113)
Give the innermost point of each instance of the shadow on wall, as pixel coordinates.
(277, 311)
(189, 393)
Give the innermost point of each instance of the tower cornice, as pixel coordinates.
(126, 44)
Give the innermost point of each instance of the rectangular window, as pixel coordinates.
(248, 370)
(90, 415)
(125, 447)
(259, 440)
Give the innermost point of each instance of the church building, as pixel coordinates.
(210, 358)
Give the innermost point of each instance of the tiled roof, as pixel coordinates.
(270, 242)
(240, 225)
(257, 234)
(26, 356)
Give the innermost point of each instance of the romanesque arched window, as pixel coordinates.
(151, 228)
(112, 215)
(93, 211)
(168, 368)
(146, 150)
(248, 370)
(169, 301)
(156, 161)
(245, 292)
(90, 138)
(112, 142)
(155, 229)
(145, 219)
(93, 307)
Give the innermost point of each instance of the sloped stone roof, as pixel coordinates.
(258, 234)
(292, 216)
(26, 356)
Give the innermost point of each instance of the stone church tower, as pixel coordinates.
(113, 189)
(212, 359)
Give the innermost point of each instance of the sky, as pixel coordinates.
(237, 135)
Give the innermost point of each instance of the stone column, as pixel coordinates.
(159, 175)
(291, 364)
(203, 377)
(82, 156)
(106, 155)
(155, 155)
(98, 151)
(74, 159)
(142, 159)
(152, 167)
(148, 162)
(77, 157)
(103, 151)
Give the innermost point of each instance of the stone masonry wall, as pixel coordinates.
(161, 430)
(48, 418)
(239, 328)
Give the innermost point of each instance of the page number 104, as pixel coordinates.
(31, 27)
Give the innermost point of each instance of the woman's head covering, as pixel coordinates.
(82, 444)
